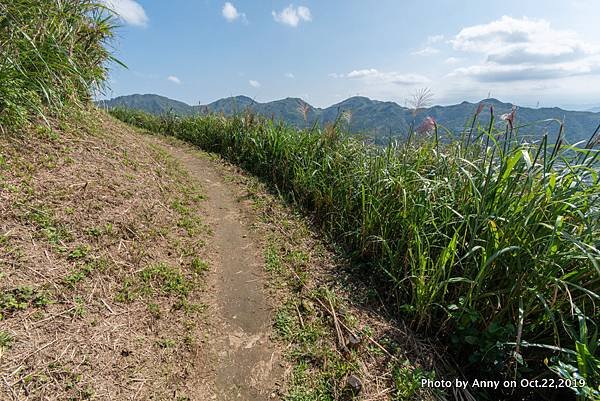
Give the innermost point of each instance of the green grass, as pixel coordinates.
(6, 340)
(482, 239)
(21, 298)
(155, 280)
(53, 55)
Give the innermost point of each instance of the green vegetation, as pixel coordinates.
(486, 240)
(6, 340)
(53, 55)
(364, 116)
(21, 298)
(159, 279)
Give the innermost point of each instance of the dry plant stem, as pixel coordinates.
(342, 324)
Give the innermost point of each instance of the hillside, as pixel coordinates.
(376, 118)
(102, 265)
(136, 266)
(222, 255)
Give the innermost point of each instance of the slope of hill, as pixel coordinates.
(377, 118)
(101, 262)
(154, 104)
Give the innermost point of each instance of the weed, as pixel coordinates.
(199, 266)
(167, 279)
(166, 343)
(79, 309)
(159, 279)
(80, 252)
(154, 310)
(273, 259)
(407, 380)
(94, 232)
(80, 273)
(22, 298)
(6, 340)
(54, 232)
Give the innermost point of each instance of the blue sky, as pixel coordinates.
(525, 52)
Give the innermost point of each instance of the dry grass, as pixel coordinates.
(100, 265)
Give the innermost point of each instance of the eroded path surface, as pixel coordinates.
(240, 362)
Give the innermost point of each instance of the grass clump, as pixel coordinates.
(6, 340)
(486, 239)
(53, 54)
(158, 279)
(21, 298)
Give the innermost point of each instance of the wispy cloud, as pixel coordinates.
(525, 49)
(452, 60)
(289, 75)
(375, 76)
(230, 13)
(174, 79)
(427, 51)
(434, 39)
(129, 11)
(254, 84)
(292, 16)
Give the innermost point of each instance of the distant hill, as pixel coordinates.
(376, 118)
(153, 104)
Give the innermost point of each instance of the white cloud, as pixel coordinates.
(230, 13)
(254, 84)
(372, 75)
(525, 49)
(452, 60)
(427, 51)
(129, 11)
(292, 16)
(289, 75)
(174, 79)
(434, 39)
(492, 72)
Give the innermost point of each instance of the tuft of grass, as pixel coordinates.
(53, 55)
(199, 266)
(21, 298)
(154, 280)
(49, 228)
(485, 239)
(6, 340)
(154, 310)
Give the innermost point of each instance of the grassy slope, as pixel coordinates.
(474, 238)
(100, 265)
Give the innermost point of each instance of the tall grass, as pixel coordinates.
(52, 54)
(484, 240)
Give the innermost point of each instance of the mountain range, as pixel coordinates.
(377, 119)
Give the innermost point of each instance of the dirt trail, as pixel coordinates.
(241, 363)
